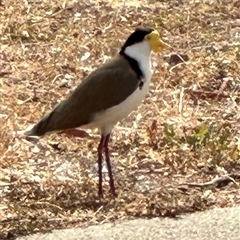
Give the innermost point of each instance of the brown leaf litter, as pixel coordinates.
(186, 132)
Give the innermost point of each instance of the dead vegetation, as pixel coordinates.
(185, 134)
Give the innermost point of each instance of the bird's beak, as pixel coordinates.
(157, 44)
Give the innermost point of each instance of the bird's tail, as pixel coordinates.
(41, 128)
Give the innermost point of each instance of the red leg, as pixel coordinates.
(111, 181)
(100, 151)
(76, 132)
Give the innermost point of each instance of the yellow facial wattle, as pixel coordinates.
(155, 42)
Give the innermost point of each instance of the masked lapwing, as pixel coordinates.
(107, 95)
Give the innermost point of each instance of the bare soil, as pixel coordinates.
(178, 153)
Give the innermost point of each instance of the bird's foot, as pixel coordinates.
(100, 191)
(113, 192)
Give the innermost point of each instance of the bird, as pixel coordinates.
(106, 96)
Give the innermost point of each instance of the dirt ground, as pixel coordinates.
(178, 153)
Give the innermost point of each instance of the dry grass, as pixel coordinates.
(187, 130)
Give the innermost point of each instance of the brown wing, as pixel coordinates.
(104, 88)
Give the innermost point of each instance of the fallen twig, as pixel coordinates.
(219, 181)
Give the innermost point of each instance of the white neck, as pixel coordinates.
(141, 52)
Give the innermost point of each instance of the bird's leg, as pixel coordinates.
(100, 151)
(109, 167)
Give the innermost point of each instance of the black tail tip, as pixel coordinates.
(31, 134)
(30, 131)
(33, 131)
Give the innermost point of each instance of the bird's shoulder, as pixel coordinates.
(116, 68)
